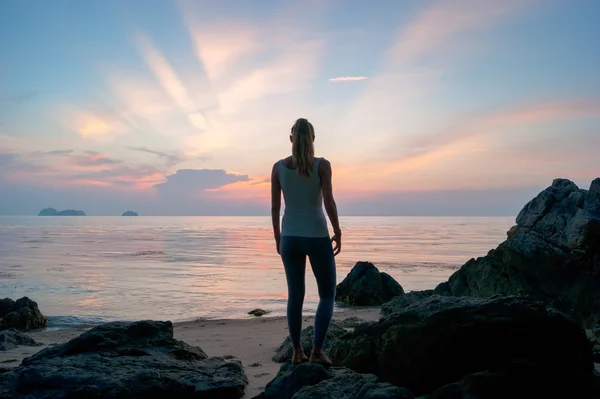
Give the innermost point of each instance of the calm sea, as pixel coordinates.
(84, 270)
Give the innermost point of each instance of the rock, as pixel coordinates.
(399, 303)
(551, 255)
(286, 349)
(125, 360)
(313, 381)
(258, 312)
(440, 340)
(350, 322)
(519, 380)
(349, 384)
(10, 339)
(594, 337)
(23, 315)
(366, 286)
(66, 212)
(290, 379)
(129, 213)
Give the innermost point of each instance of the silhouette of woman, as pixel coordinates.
(306, 185)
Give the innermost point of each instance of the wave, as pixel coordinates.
(147, 253)
(65, 322)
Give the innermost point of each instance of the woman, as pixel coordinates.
(306, 185)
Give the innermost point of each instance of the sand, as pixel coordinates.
(253, 341)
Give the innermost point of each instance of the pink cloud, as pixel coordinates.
(442, 22)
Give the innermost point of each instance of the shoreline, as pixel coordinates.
(253, 341)
(55, 322)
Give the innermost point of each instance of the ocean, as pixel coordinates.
(88, 270)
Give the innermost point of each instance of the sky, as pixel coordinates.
(445, 107)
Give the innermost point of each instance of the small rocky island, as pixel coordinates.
(129, 213)
(66, 212)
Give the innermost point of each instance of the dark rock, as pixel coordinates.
(519, 380)
(22, 314)
(594, 337)
(10, 339)
(129, 213)
(551, 255)
(440, 340)
(309, 380)
(290, 379)
(350, 322)
(258, 312)
(399, 303)
(286, 349)
(125, 360)
(366, 286)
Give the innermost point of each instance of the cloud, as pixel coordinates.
(99, 125)
(172, 158)
(192, 183)
(69, 167)
(290, 71)
(19, 98)
(218, 48)
(495, 123)
(171, 82)
(347, 78)
(441, 24)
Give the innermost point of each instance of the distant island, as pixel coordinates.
(130, 213)
(66, 212)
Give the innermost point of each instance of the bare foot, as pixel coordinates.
(299, 356)
(320, 358)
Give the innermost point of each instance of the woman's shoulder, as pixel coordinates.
(323, 162)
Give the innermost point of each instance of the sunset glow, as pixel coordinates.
(184, 106)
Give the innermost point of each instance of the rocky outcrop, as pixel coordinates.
(365, 285)
(10, 339)
(129, 213)
(258, 312)
(312, 381)
(399, 303)
(552, 255)
(520, 380)
(286, 349)
(594, 337)
(441, 340)
(22, 314)
(66, 212)
(125, 360)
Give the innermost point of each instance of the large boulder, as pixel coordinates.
(365, 285)
(519, 380)
(594, 337)
(552, 254)
(22, 314)
(10, 339)
(399, 303)
(440, 340)
(125, 360)
(286, 349)
(313, 381)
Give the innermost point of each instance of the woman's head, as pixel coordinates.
(303, 150)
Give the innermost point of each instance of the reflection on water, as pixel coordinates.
(179, 268)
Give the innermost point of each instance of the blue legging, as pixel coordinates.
(294, 251)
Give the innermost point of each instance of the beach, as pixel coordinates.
(252, 341)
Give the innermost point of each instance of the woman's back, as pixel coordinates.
(303, 216)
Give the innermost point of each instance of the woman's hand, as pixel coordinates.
(278, 244)
(337, 239)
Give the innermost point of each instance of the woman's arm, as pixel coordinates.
(275, 204)
(326, 175)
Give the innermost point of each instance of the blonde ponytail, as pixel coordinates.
(303, 150)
